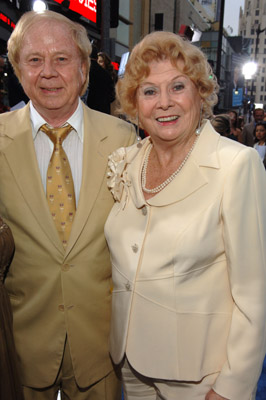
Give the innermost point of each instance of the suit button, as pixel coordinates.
(127, 285)
(135, 248)
(61, 307)
(65, 267)
(144, 210)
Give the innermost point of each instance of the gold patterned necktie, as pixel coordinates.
(59, 185)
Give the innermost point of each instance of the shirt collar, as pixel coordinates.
(76, 120)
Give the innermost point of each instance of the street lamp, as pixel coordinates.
(39, 6)
(249, 69)
(258, 32)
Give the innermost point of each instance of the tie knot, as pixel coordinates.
(57, 135)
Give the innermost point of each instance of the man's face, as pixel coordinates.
(258, 115)
(52, 73)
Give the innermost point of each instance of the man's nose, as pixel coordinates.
(48, 68)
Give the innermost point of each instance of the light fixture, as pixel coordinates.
(39, 6)
(249, 69)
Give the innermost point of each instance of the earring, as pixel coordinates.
(199, 125)
(139, 144)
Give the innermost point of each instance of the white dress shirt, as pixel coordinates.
(73, 145)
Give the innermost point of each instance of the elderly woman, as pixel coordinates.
(187, 237)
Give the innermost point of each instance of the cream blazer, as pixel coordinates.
(54, 292)
(189, 268)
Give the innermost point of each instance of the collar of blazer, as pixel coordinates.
(192, 178)
(17, 146)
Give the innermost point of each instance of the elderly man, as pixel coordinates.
(53, 159)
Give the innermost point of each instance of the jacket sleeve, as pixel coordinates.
(243, 212)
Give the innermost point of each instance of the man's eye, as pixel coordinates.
(62, 59)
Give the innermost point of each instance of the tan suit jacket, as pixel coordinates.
(189, 269)
(52, 291)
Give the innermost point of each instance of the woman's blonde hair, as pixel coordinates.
(158, 46)
(77, 31)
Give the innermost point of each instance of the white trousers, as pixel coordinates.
(137, 386)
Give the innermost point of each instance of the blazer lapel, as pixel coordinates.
(21, 158)
(93, 173)
(188, 181)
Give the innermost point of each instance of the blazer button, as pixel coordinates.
(65, 267)
(127, 285)
(135, 248)
(144, 210)
(61, 307)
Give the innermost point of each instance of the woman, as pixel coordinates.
(260, 140)
(105, 62)
(222, 124)
(235, 133)
(10, 388)
(188, 253)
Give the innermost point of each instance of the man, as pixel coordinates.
(59, 280)
(248, 130)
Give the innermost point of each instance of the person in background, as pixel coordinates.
(260, 139)
(105, 62)
(101, 90)
(235, 133)
(248, 129)
(188, 256)
(222, 124)
(10, 386)
(53, 161)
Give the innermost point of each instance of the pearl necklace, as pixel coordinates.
(169, 179)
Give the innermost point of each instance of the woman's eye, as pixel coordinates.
(149, 92)
(178, 86)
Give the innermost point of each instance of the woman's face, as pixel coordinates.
(260, 132)
(168, 103)
(232, 116)
(100, 61)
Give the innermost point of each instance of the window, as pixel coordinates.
(261, 97)
(264, 97)
(262, 79)
(257, 12)
(264, 51)
(264, 61)
(261, 88)
(252, 31)
(263, 70)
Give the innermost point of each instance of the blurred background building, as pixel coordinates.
(116, 26)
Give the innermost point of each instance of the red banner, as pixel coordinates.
(86, 8)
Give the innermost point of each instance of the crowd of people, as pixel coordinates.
(252, 134)
(128, 262)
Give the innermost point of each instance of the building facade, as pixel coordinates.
(252, 25)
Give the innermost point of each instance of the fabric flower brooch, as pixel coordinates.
(117, 177)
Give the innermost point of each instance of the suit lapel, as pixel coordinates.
(21, 158)
(95, 154)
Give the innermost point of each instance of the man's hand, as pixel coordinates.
(212, 395)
